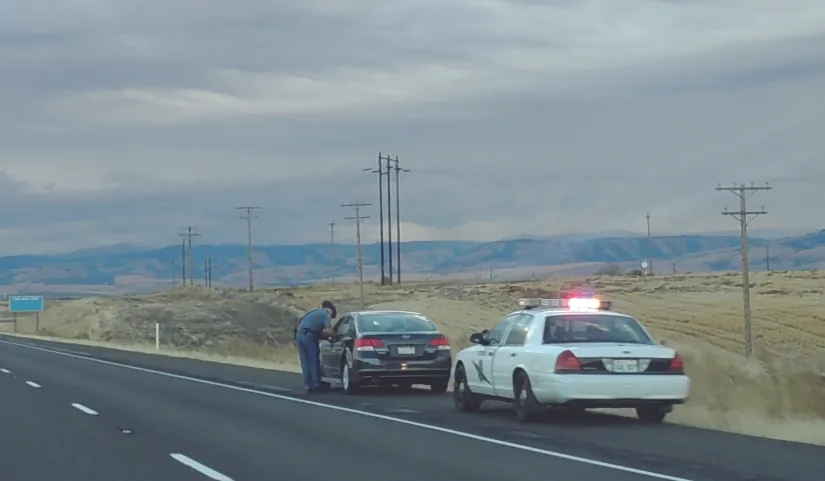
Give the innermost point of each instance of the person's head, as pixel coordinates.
(330, 308)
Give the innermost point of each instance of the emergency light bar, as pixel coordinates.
(573, 303)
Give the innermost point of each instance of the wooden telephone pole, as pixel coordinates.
(248, 218)
(190, 256)
(744, 216)
(358, 218)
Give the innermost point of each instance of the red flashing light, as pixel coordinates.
(676, 365)
(568, 362)
(367, 344)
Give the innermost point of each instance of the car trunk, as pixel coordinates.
(407, 345)
(621, 358)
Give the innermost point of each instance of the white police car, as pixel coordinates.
(572, 354)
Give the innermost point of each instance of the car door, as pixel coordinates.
(509, 355)
(329, 368)
(480, 372)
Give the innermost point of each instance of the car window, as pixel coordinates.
(519, 331)
(340, 324)
(347, 327)
(392, 322)
(575, 328)
(497, 333)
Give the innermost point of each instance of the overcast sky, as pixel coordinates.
(125, 121)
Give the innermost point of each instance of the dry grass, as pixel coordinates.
(779, 393)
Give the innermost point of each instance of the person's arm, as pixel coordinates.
(328, 332)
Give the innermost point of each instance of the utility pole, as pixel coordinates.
(389, 223)
(332, 251)
(742, 191)
(248, 218)
(380, 172)
(649, 247)
(398, 170)
(183, 261)
(209, 272)
(768, 256)
(188, 235)
(358, 218)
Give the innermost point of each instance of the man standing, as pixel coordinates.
(314, 326)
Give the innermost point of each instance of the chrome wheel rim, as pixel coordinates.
(345, 376)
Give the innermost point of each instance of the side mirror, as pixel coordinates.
(478, 338)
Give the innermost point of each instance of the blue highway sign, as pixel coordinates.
(26, 303)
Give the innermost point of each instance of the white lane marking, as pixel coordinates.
(84, 409)
(5, 371)
(205, 470)
(32, 384)
(476, 437)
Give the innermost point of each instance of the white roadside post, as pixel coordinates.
(157, 336)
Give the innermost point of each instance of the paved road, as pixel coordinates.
(85, 414)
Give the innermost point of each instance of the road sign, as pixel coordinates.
(644, 264)
(26, 303)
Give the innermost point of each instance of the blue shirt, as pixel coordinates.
(315, 320)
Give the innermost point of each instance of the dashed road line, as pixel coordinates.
(32, 384)
(82, 408)
(205, 470)
(5, 371)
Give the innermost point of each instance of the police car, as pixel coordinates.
(571, 354)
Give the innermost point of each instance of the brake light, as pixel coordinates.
(676, 365)
(366, 344)
(442, 343)
(568, 362)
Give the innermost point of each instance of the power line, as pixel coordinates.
(358, 218)
(398, 170)
(742, 215)
(248, 218)
(190, 255)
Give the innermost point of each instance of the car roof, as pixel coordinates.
(386, 311)
(561, 311)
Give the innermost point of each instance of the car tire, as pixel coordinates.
(652, 414)
(440, 386)
(527, 406)
(464, 399)
(347, 383)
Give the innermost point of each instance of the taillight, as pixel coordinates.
(366, 344)
(442, 343)
(676, 365)
(568, 362)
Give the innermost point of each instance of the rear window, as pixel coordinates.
(395, 322)
(576, 328)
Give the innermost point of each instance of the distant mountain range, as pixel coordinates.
(125, 267)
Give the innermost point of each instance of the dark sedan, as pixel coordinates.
(375, 348)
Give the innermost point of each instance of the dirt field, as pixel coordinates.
(779, 393)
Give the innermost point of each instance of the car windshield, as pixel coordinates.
(394, 322)
(576, 328)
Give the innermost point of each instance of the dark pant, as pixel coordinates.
(309, 353)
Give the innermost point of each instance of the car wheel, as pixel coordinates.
(463, 398)
(652, 414)
(349, 385)
(527, 406)
(440, 387)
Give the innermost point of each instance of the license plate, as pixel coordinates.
(406, 350)
(625, 365)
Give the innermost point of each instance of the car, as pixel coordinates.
(386, 347)
(570, 355)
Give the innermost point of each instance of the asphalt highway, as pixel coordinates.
(76, 413)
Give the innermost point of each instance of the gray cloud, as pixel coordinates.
(124, 122)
